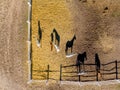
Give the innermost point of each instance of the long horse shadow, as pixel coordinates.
(52, 39)
(57, 39)
(39, 38)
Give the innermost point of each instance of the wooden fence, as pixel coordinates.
(105, 71)
(47, 73)
(114, 71)
(76, 72)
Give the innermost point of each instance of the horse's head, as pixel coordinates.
(96, 55)
(85, 55)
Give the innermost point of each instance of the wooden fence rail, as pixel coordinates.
(69, 73)
(47, 71)
(107, 71)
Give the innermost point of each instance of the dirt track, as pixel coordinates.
(13, 46)
(97, 33)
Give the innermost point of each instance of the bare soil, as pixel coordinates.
(13, 46)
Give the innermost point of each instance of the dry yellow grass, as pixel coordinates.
(52, 14)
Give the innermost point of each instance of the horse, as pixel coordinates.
(69, 44)
(39, 33)
(80, 60)
(57, 37)
(98, 65)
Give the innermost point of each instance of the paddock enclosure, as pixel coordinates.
(94, 34)
(52, 14)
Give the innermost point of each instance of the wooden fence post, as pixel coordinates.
(79, 72)
(61, 72)
(116, 69)
(48, 67)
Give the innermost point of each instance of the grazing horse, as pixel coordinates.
(80, 60)
(39, 33)
(57, 37)
(98, 65)
(69, 44)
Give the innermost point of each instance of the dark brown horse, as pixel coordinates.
(98, 66)
(80, 60)
(69, 44)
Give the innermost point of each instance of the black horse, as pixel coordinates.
(98, 66)
(57, 37)
(80, 60)
(39, 33)
(69, 44)
(97, 62)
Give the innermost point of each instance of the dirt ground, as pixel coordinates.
(86, 17)
(13, 45)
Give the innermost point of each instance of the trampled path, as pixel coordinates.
(13, 45)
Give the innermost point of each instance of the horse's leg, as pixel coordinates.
(79, 68)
